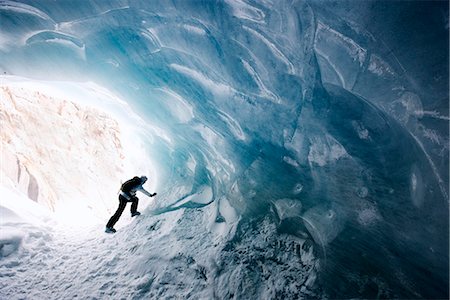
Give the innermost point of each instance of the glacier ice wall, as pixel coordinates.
(293, 125)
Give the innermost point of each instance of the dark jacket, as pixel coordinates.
(130, 187)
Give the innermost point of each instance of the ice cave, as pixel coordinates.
(299, 149)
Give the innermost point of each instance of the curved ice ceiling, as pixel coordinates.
(327, 119)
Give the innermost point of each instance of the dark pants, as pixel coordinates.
(122, 203)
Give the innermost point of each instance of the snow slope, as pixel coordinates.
(64, 154)
(154, 256)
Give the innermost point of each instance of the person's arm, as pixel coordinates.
(142, 190)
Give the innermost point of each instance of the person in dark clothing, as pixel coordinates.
(128, 194)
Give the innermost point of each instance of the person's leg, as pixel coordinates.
(118, 213)
(134, 205)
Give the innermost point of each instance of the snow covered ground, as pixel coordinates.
(166, 256)
(167, 252)
(44, 259)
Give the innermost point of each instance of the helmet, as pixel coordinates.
(143, 179)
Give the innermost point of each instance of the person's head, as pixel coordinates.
(143, 179)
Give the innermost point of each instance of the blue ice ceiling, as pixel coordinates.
(328, 119)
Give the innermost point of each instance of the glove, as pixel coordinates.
(154, 194)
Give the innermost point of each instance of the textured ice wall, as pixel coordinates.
(327, 120)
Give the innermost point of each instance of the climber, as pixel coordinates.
(128, 194)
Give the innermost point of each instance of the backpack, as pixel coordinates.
(129, 185)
